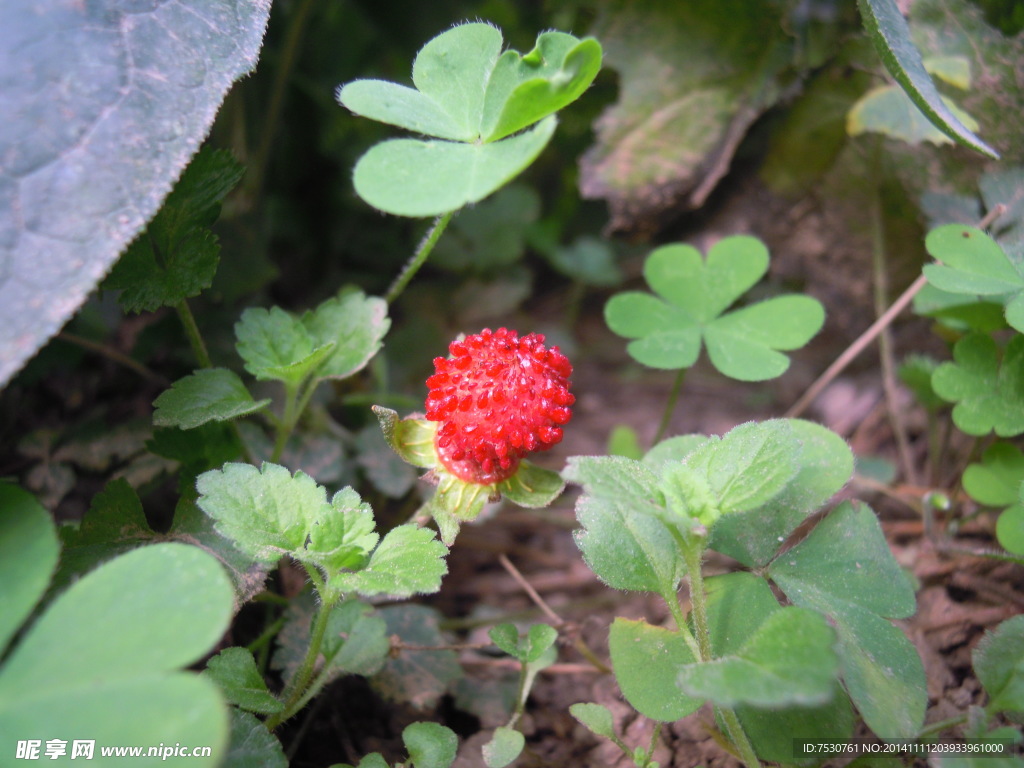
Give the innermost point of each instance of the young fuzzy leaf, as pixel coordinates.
(999, 664)
(505, 746)
(890, 34)
(622, 538)
(506, 637)
(333, 341)
(789, 660)
(210, 394)
(430, 745)
(844, 569)
(596, 717)
(646, 660)
(176, 257)
(234, 670)
(975, 264)
(471, 98)
(409, 560)
(252, 745)
(692, 295)
(988, 395)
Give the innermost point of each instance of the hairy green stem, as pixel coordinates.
(195, 339)
(670, 405)
(420, 257)
(693, 554)
(300, 685)
(672, 601)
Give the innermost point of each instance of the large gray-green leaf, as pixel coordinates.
(104, 103)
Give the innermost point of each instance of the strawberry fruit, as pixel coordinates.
(497, 398)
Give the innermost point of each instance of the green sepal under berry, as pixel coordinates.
(412, 439)
(176, 256)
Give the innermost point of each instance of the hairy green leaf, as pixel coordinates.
(234, 670)
(999, 663)
(252, 745)
(210, 394)
(409, 560)
(430, 745)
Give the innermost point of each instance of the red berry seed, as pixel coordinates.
(497, 398)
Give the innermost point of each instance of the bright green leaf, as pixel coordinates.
(28, 557)
(622, 538)
(405, 107)
(888, 31)
(845, 570)
(276, 345)
(1010, 529)
(996, 481)
(506, 637)
(737, 604)
(988, 395)
(210, 394)
(410, 177)
(409, 560)
(430, 745)
(596, 717)
(539, 638)
(234, 670)
(693, 294)
(971, 262)
(505, 746)
(70, 673)
(343, 537)
(646, 660)
(790, 659)
(355, 324)
(999, 663)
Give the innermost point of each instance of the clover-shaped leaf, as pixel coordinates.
(470, 97)
(692, 295)
(988, 396)
(998, 481)
(975, 264)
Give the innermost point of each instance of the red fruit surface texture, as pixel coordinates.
(497, 398)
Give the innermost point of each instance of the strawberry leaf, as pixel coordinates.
(470, 97)
(176, 257)
(409, 560)
(234, 670)
(692, 295)
(845, 570)
(211, 394)
(988, 395)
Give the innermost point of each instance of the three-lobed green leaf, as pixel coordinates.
(471, 98)
(989, 394)
(692, 295)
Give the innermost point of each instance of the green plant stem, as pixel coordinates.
(298, 689)
(670, 405)
(693, 554)
(654, 740)
(934, 728)
(195, 339)
(420, 257)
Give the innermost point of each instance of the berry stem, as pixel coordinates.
(420, 257)
(670, 406)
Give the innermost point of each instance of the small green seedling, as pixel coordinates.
(690, 310)
(487, 116)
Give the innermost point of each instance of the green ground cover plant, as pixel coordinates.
(282, 515)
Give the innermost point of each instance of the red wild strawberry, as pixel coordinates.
(497, 398)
